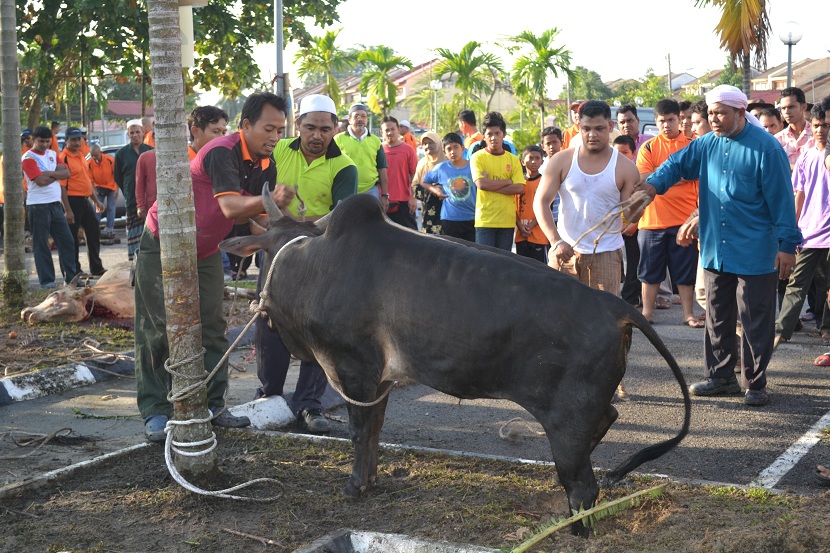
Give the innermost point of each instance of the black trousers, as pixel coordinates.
(85, 217)
(631, 288)
(401, 215)
(755, 306)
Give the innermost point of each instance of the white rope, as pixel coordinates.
(171, 446)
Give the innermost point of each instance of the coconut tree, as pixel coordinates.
(540, 58)
(15, 279)
(475, 72)
(177, 218)
(376, 81)
(743, 29)
(323, 57)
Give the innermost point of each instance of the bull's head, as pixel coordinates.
(280, 230)
(67, 305)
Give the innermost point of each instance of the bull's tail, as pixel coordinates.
(654, 451)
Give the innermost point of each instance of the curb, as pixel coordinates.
(60, 379)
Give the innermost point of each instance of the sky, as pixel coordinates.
(623, 40)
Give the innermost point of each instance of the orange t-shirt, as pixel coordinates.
(150, 139)
(410, 139)
(673, 208)
(472, 139)
(54, 145)
(103, 173)
(79, 182)
(567, 134)
(84, 148)
(524, 211)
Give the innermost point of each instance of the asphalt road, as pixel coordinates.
(728, 441)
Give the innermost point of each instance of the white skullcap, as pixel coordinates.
(317, 102)
(727, 95)
(134, 123)
(404, 123)
(733, 97)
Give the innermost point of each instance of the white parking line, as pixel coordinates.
(770, 476)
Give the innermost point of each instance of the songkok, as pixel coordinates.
(317, 102)
(134, 123)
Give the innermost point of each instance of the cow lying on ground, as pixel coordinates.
(360, 294)
(112, 296)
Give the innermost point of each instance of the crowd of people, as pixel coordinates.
(729, 205)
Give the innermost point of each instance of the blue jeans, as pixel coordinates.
(107, 197)
(501, 238)
(49, 220)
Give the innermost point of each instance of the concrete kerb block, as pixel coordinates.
(267, 413)
(60, 379)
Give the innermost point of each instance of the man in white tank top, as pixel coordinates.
(591, 180)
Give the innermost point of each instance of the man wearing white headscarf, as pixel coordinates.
(748, 237)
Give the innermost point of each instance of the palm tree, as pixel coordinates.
(15, 280)
(475, 71)
(743, 29)
(376, 81)
(323, 57)
(540, 59)
(177, 217)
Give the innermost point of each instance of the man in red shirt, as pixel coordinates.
(402, 162)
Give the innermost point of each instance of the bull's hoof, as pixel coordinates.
(354, 491)
(580, 530)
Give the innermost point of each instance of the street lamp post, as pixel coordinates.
(790, 35)
(435, 85)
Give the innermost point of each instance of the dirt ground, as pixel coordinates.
(131, 504)
(25, 347)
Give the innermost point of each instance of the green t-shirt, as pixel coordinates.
(322, 183)
(367, 154)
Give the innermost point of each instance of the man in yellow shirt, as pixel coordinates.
(498, 176)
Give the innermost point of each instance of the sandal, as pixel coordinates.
(822, 360)
(692, 322)
(662, 303)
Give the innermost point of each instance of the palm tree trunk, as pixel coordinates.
(747, 73)
(177, 218)
(15, 279)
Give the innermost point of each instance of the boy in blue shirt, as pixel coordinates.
(452, 180)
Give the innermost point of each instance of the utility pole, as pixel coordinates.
(278, 40)
(668, 78)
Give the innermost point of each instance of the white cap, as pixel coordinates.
(82, 129)
(134, 123)
(317, 102)
(404, 123)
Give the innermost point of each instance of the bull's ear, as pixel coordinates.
(243, 246)
(74, 284)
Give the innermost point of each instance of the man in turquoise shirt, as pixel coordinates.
(748, 238)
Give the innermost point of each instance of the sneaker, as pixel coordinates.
(313, 421)
(154, 428)
(715, 387)
(225, 419)
(756, 398)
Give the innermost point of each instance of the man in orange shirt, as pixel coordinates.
(84, 143)
(56, 127)
(149, 133)
(406, 135)
(26, 141)
(79, 191)
(661, 220)
(467, 126)
(102, 171)
(573, 130)
(530, 239)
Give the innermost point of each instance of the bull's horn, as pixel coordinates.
(323, 222)
(274, 213)
(74, 283)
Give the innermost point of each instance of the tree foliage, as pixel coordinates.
(377, 82)
(540, 58)
(650, 90)
(586, 84)
(323, 57)
(476, 72)
(111, 40)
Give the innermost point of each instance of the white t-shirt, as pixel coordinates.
(36, 194)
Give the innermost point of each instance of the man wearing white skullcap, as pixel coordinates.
(126, 161)
(748, 237)
(322, 175)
